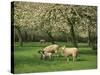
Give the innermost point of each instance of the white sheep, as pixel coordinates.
(51, 49)
(42, 41)
(69, 51)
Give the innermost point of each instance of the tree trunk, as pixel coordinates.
(89, 36)
(19, 35)
(51, 37)
(93, 42)
(72, 33)
(92, 39)
(25, 38)
(66, 37)
(73, 36)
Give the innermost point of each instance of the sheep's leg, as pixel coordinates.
(46, 57)
(67, 59)
(41, 57)
(53, 56)
(73, 58)
(50, 57)
(57, 56)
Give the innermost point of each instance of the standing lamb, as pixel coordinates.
(69, 51)
(46, 55)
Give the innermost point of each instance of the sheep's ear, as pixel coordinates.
(40, 51)
(64, 47)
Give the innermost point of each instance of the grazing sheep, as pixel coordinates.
(48, 51)
(42, 41)
(51, 49)
(69, 51)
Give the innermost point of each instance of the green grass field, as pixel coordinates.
(27, 59)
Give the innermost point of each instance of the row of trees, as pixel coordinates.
(49, 20)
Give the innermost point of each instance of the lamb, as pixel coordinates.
(49, 51)
(46, 55)
(69, 51)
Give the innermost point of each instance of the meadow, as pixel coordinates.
(27, 59)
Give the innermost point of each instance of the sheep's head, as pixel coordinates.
(41, 51)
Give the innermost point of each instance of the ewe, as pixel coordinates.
(69, 51)
(48, 51)
(51, 49)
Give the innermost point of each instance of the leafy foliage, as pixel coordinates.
(55, 18)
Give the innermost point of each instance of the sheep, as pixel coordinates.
(52, 48)
(49, 51)
(69, 51)
(45, 55)
(42, 41)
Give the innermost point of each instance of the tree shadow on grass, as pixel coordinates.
(33, 46)
(91, 52)
(35, 60)
(79, 59)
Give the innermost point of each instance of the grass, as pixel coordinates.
(27, 59)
